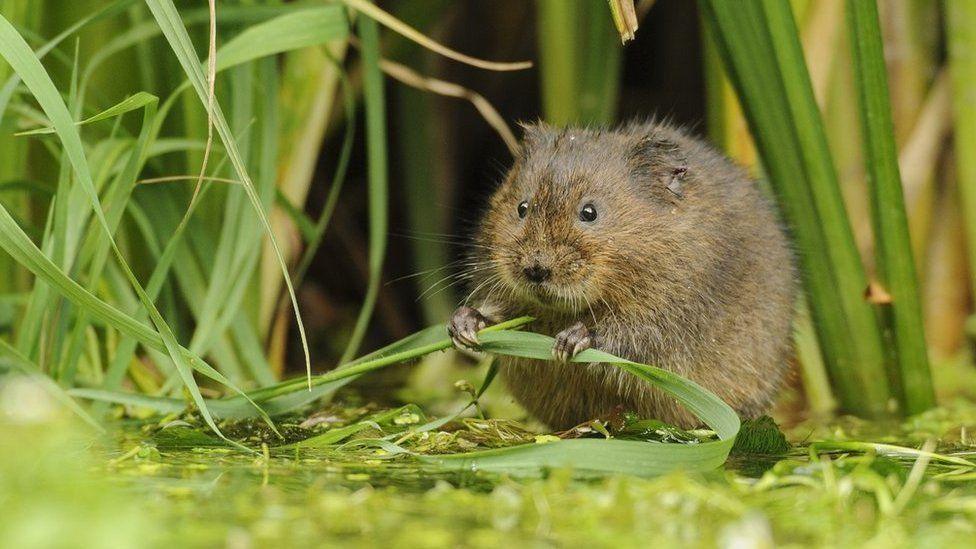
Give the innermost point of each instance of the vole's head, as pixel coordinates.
(579, 213)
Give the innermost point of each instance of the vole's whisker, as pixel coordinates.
(476, 288)
(425, 273)
(590, 307)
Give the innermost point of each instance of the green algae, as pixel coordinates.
(166, 481)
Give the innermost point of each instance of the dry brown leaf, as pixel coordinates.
(876, 294)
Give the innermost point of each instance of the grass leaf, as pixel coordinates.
(292, 31)
(131, 103)
(376, 150)
(758, 43)
(169, 21)
(895, 261)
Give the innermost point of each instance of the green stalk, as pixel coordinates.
(962, 43)
(759, 44)
(896, 266)
(841, 248)
(429, 185)
(716, 108)
(602, 56)
(580, 62)
(813, 371)
(377, 177)
(558, 22)
(14, 151)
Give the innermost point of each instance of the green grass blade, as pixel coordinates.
(580, 62)
(162, 405)
(129, 104)
(169, 21)
(376, 149)
(588, 455)
(558, 23)
(758, 43)
(895, 262)
(603, 456)
(602, 67)
(848, 271)
(95, 251)
(16, 51)
(317, 232)
(962, 43)
(292, 31)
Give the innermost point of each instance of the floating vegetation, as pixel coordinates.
(173, 482)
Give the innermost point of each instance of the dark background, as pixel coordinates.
(662, 76)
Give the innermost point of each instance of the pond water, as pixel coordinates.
(165, 482)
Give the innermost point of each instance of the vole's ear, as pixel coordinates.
(657, 161)
(534, 134)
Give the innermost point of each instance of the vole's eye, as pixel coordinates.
(523, 208)
(588, 213)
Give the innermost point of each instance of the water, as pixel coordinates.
(143, 485)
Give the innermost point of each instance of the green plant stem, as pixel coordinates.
(376, 151)
(759, 44)
(373, 362)
(403, 356)
(580, 62)
(961, 33)
(558, 22)
(895, 264)
(848, 271)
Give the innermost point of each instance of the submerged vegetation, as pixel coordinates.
(180, 244)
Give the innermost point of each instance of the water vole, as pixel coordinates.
(644, 242)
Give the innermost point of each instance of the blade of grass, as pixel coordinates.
(961, 35)
(602, 67)
(97, 249)
(580, 62)
(15, 50)
(848, 270)
(131, 103)
(587, 455)
(760, 47)
(292, 31)
(558, 23)
(169, 21)
(376, 151)
(895, 263)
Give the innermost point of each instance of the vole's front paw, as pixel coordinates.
(571, 341)
(464, 326)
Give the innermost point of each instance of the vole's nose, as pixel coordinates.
(536, 273)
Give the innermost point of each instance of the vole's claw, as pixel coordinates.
(464, 326)
(570, 342)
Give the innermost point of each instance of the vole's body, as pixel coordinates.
(685, 266)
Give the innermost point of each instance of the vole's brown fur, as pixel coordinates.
(686, 267)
